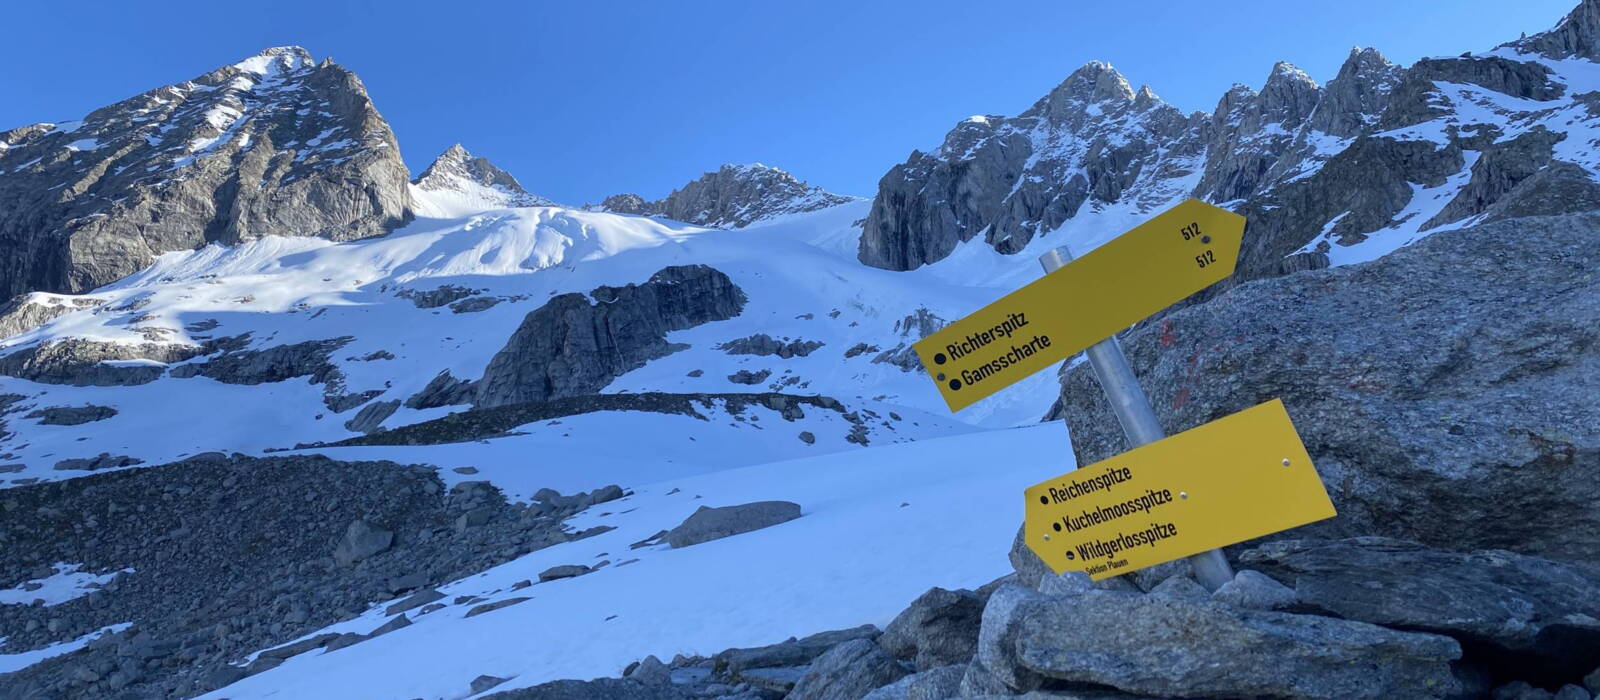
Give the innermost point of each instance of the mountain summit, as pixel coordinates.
(734, 196)
(276, 144)
(457, 183)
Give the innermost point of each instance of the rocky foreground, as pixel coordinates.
(1447, 394)
(1364, 617)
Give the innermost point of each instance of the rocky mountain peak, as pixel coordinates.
(1355, 97)
(733, 196)
(1577, 34)
(274, 144)
(278, 59)
(458, 182)
(1086, 93)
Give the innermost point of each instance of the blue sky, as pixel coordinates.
(584, 99)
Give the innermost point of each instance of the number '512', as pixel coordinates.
(1205, 258)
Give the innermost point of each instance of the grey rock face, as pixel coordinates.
(791, 653)
(456, 169)
(104, 460)
(1147, 644)
(1029, 567)
(627, 203)
(1405, 378)
(914, 327)
(496, 605)
(436, 297)
(933, 684)
(80, 362)
(72, 415)
(763, 344)
(708, 524)
(26, 312)
(939, 628)
(563, 571)
(1251, 130)
(734, 196)
(1578, 34)
(1528, 617)
(1311, 168)
(650, 671)
(311, 358)
(370, 418)
(1257, 591)
(745, 376)
(1003, 616)
(847, 672)
(274, 145)
(442, 390)
(1093, 139)
(1354, 99)
(570, 346)
(599, 689)
(361, 540)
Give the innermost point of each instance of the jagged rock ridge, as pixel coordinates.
(734, 196)
(1330, 174)
(276, 144)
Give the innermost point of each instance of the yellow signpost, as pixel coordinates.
(1177, 253)
(1227, 481)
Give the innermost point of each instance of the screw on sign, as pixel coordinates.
(1079, 305)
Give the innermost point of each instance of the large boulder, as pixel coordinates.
(361, 540)
(939, 628)
(848, 672)
(1448, 393)
(573, 346)
(1175, 646)
(1531, 617)
(708, 524)
(933, 684)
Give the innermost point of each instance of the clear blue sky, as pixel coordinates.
(584, 99)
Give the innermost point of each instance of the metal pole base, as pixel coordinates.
(1138, 419)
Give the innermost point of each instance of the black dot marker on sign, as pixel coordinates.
(940, 377)
(1045, 500)
(1057, 526)
(955, 384)
(1205, 239)
(1070, 555)
(938, 358)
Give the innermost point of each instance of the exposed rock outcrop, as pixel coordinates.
(1406, 379)
(571, 346)
(26, 312)
(734, 196)
(80, 362)
(276, 144)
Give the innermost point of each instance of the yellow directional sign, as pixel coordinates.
(1179, 252)
(1225, 482)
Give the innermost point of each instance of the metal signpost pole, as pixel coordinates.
(1138, 420)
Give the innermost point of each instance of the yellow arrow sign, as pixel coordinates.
(1230, 480)
(1179, 252)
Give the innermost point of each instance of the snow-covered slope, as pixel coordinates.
(375, 301)
(878, 528)
(458, 183)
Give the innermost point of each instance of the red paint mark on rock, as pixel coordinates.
(1169, 337)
